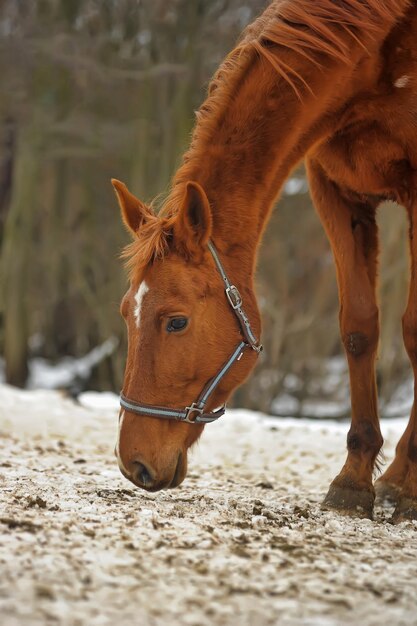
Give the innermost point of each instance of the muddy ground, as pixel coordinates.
(242, 542)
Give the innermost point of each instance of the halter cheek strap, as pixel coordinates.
(235, 301)
(194, 414)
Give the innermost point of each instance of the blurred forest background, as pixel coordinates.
(91, 89)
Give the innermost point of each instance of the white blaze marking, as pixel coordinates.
(119, 458)
(142, 291)
(402, 82)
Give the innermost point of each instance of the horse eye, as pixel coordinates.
(177, 323)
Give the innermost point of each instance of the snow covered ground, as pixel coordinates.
(243, 541)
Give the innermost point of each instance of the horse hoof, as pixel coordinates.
(387, 494)
(352, 502)
(406, 510)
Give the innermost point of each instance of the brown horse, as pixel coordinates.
(334, 81)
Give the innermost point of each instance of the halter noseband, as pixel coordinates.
(197, 408)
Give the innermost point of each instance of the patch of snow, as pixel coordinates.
(295, 186)
(292, 382)
(321, 409)
(99, 400)
(45, 375)
(401, 402)
(285, 404)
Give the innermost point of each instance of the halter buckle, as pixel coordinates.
(234, 297)
(194, 408)
(258, 348)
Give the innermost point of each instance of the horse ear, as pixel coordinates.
(134, 212)
(193, 226)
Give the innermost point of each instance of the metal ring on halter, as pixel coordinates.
(197, 408)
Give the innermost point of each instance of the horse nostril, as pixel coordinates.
(142, 475)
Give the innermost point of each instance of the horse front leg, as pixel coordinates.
(399, 483)
(352, 232)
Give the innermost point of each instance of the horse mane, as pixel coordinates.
(314, 29)
(318, 28)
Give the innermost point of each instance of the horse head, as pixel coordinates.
(181, 333)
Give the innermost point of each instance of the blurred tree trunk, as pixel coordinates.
(7, 143)
(16, 258)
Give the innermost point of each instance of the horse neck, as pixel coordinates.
(254, 128)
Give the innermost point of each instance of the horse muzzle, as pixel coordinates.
(144, 476)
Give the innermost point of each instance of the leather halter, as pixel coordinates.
(197, 408)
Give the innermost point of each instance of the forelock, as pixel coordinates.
(152, 243)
